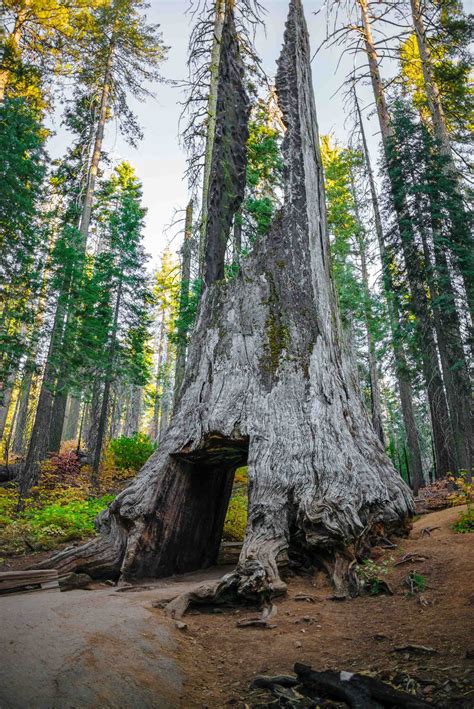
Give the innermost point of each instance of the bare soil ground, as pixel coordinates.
(211, 662)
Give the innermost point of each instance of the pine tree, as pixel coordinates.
(23, 233)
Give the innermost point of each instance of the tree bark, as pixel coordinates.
(181, 346)
(5, 403)
(440, 421)
(219, 14)
(376, 399)
(104, 406)
(158, 379)
(134, 410)
(22, 416)
(402, 371)
(268, 383)
(72, 418)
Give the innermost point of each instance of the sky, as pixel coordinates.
(160, 161)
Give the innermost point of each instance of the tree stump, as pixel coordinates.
(268, 383)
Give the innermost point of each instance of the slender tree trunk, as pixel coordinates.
(376, 399)
(402, 371)
(93, 415)
(22, 417)
(12, 45)
(6, 400)
(58, 414)
(158, 379)
(102, 422)
(72, 419)
(211, 124)
(184, 300)
(38, 445)
(99, 139)
(267, 383)
(132, 423)
(442, 431)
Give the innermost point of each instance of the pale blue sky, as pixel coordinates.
(159, 160)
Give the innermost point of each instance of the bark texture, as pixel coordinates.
(266, 383)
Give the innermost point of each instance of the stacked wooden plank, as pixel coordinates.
(28, 580)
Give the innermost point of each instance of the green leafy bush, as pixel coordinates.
(45, 523)
(465, 522)
(130, 453)
(236, 519)
(370, 575)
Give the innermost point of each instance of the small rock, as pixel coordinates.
(298, 644)
(180, 625)
(74, 581)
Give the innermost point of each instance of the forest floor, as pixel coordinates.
(119, 649)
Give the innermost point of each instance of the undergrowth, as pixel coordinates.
(236, 518)
(463, 495)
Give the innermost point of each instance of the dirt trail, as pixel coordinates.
(102, 648)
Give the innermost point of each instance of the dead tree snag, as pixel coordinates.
(267, 382)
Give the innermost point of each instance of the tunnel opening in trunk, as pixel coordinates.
(206, 477)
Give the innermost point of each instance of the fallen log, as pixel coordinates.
(13, 581)
(356, 690)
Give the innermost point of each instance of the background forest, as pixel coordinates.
(93, 338)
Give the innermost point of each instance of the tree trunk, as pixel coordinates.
(376, 399)
(72, 418)
(134, 411)
(441, 425)
(104, 407)
(219, 13)
(402, 371)
(93, 414)
(18, 444)
(58, 414)
(453, 358)
(99, 139)
(5, 403)
(267, 383)
(158, 379)
(181, 346)
(38, 445)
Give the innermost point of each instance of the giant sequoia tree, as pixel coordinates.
(267, 382)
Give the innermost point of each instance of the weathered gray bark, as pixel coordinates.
(181, 346)
(267, 383)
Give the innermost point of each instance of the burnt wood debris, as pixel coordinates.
(268, 383)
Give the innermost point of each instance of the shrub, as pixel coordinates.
(236, 519)
(129, 454)
(50, 517)
(370, 575)
(463, 495)
(465, 522)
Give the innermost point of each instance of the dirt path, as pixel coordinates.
(87, 649)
